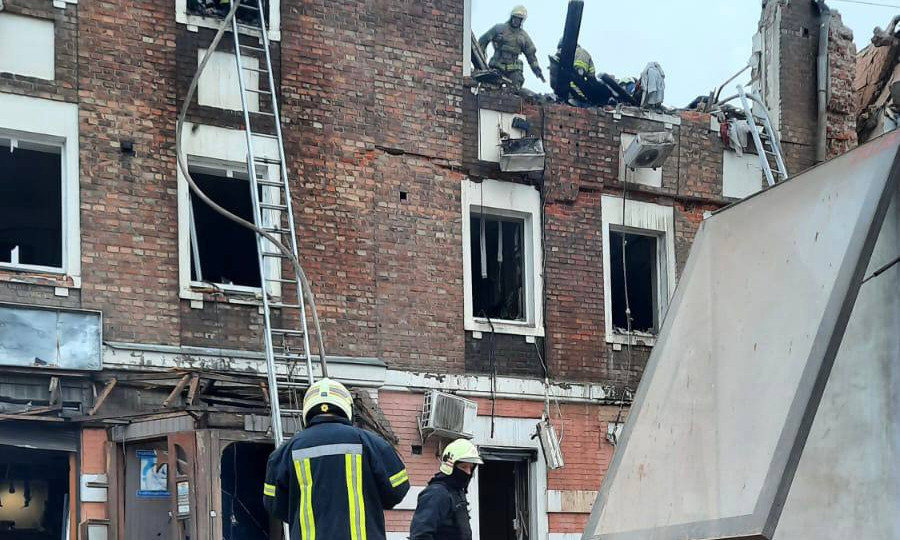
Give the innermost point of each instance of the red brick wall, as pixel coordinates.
(582, 428)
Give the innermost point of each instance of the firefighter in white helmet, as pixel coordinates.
(333, 480)
(442, 512)
(510, 41)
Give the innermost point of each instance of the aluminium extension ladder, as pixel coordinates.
(767, 143)
(287, 344)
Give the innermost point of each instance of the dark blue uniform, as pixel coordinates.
(442, 512)
(333, 481)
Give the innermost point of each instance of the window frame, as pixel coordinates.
(198, 21)
(506, 199)
(650, 220)
(59, 124)
(216, 150)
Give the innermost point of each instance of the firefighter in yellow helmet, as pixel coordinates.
(510, 41)
(333, 480)
(442, 512)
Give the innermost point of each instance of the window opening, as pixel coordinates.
(34, 493)
(642, 265)
(31, 230)
(503, 498)
(226, 252)
(220, 8)
(243, 471)
(498, 267)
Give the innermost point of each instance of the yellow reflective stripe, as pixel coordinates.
(351, 496)
(359, 496)
(301, 481)
(268, 490)
(399, 478)
(309, 508)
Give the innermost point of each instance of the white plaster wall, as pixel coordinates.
(490, 124)
(741, 175)
(219, 86)
(27, 46)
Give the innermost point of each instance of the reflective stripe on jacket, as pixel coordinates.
(333, 481)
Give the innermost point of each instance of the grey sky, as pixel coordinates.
(699, 43)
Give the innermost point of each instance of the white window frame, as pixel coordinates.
(512, 200)
(198, 21)
(467, 38)
(215, 149)
(643, 176)
(58, 122)
(641, 218)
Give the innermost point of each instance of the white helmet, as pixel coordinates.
(325, 394)
(459, 451)
(520, 12)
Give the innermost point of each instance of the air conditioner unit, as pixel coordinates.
(522, 155)
(649, 150)
(447, 415)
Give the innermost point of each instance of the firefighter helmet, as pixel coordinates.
(520, 12)
(327, 396)
(459, 451)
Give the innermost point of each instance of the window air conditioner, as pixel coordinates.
(649, 150)
(448, 416)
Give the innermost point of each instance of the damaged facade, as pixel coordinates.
(130, 327)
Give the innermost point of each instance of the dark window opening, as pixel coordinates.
(30, 204)
(498, 267)
(503, 498)
(642, 271)
(220, 8)
(227, 251)
(243, 473)
(34, 493)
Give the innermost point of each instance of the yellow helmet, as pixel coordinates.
(325, 394)
(519, 11)
(459, 451)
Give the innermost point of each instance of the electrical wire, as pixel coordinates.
(864, 3)
(304, 285)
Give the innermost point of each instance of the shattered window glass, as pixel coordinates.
(641, 267)
(498, 267)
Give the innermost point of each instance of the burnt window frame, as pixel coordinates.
(11, 141)
(194, 21)
(658, 278)
(506, 216)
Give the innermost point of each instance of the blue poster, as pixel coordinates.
(154, 475)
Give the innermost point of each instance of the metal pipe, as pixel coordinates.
(822, 82)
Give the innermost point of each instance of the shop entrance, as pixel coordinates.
(34, 494)
(504, 502)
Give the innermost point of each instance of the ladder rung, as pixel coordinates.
(267, 160)
(287, 331)
(257, 91)
(251, 48)
(292, 384)
(269, 183)
(282, 280)
(279, 305)
(263, 113)
(274, 255)
(248, 68)
(272, 206)
(280, 356)
(278, 231)
(249, 27)
(265, 135)
(249, 6)
(291, 411)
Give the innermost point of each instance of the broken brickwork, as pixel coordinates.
(841, 99)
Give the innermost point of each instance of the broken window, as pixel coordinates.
(220, 8)
(243, 471)
(498, 266)
(31, 230)
(642, 269)
(224, 251)
(34, 493)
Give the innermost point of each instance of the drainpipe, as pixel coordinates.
(822, 82)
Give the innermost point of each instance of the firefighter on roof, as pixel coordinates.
(333, 481)
(510, 41)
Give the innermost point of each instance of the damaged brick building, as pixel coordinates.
(130, 328)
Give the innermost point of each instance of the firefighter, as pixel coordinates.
(510, 41)
(583, 65)
(442, 512)
(332, 480)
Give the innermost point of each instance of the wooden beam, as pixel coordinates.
(192, 391)
(103, 395)
(32, 418)
(55, 391)
(177, 390)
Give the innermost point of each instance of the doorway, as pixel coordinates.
(243, 473)
(504, 494)
(34, 493)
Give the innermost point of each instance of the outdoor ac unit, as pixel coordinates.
(448, 416)
(522, 155)
(649, 150)
(550, 445)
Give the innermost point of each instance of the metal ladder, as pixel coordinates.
(287, 344)
(763, 150)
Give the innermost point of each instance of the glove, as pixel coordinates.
(539, 74)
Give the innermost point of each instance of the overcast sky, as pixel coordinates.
(699, 43)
